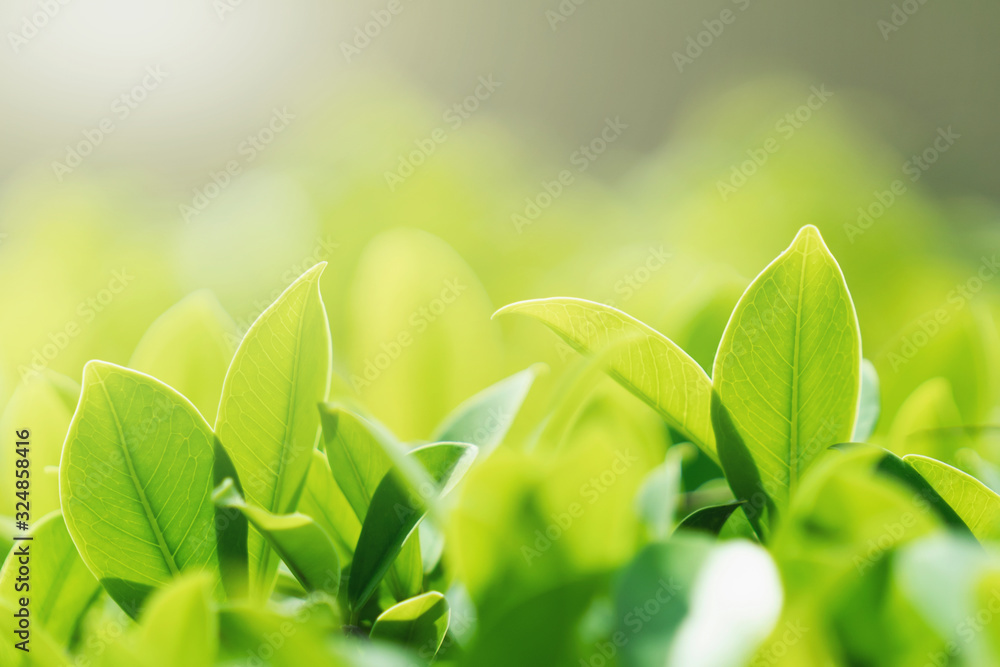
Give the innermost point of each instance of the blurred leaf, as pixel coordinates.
(44, 404)
(652, 366)
(710, 519)
(300, 542)
(61, 586)
(395, 511)
(870, 405)
(419, 623)
(44, 650)
(189, 347)
(139, 452)
(972, 500)
(787, 376)
(657, 497)
(485, 419)
(267, 415)
(928, 422)
(180, 625)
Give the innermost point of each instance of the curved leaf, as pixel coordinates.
(484, 419)
(973, 501)
(652, 366)
(870, 406)
(62, 588)
(136, 483)
(710, 519)
(324, 502)
(396, 510)
(787, 377)
(267, 416)
(189, 347)
(419, 623)
(305, 548)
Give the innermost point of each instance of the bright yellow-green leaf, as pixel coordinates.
(267, 420)
(61, 586)
(787, 377)
(180, 625)
(929, 423)
(419, 623)
(136, 482)
(189, 347)
(44, 650)
(976, 504)
(324, 502)
(651, 366)
(43, 405)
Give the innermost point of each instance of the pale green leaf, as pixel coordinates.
(189, 347)
(485, 419)
(870, 406)
(651, 366)
(44, 651)
(973, 501)
(419, 623)
(136, 482)
(267, 416)
(396, 510)
(787, 376)
(61, 586)
(303, 545)
(324, 502)
(180, 625)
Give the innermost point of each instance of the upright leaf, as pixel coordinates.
(870, 406)
(976, 504)
(62, 587)
(396, 510)
(484, 419)
(651, 366)
(267, 416)
(189, 347)
(324, 502)
(358, 454)
(419, 623)
(136, 483)
(787, 376)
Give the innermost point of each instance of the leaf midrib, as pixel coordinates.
(168, 558)
(793, 440)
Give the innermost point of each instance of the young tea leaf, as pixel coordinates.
(136, 483)
(973, 501)
(710, 519)
(396, 510)
(787, 376)
(61, 586)
(267, 416)
(419, 623)
(651, 366)
(324, 502)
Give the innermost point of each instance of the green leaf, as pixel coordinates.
(710, 519)
(44, 650)
(44, 404)
(62, 588)
(189, 347)
(870, 406)
(136, 483)
(419, 623)
(656, 500)
(787, 376)
(396, 510)
(267, 416)
(305, 548)
(485, 419)
(324, 502)
(973, 501)
(358, 452)
(180, 625)
(651, 366)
